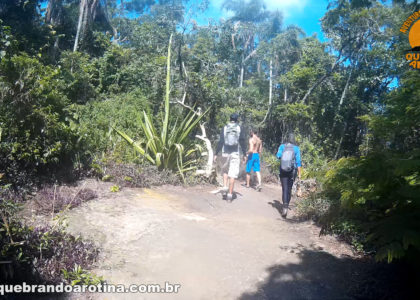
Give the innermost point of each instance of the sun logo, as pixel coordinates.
(414, 37)
(412, 26)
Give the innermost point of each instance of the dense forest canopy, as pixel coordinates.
(77, 72)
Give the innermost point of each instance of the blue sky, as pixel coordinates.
(303, 13)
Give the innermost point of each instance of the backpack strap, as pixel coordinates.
(289, 145)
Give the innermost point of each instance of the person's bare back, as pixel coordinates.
(255, 144)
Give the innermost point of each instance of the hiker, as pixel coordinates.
(253, 159)
(232, 137)
(290, 166)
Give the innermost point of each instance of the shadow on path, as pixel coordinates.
(277, 205)
(290, 219)
(320, 275)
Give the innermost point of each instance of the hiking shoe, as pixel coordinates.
(284, 212)
(224, 190)
(229, 197)
(244, 185)
(258, 188)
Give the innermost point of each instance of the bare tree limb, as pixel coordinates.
(82, 8)
(343, 95)
(337, 152)
(270, 93)
(233, 41)
(209, 166)
(250, 55)
(317, 83)
(197, 113)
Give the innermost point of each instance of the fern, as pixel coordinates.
(380, 192)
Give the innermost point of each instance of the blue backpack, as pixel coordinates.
(288, 158)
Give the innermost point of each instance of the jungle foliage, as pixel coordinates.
(67, 79)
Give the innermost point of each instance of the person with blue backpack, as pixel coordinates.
(290, 166)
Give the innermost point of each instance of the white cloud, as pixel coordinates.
(287, 7)
(282, 4)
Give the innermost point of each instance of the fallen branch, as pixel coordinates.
(209, 166)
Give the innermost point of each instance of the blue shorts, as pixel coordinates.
(253, 162)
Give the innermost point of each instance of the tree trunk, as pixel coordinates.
(82, 8)
(285, 94)
(87, 12)
(55, 48)
(49, 11)
(53, 13)
(343, 95)
(241, 82)
(270, 93)
(53, 17)
(337, 152)
(270, 89)
(241, 78)
(313, 87)
(115, 39)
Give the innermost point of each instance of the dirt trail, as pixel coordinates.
(214, 249)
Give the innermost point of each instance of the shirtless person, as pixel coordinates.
(253, 162)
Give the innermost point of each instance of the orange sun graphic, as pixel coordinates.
(414, 35)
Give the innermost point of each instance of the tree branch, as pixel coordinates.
(209, 166)
(322, 78)
(250, 55)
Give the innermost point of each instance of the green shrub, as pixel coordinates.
(313, 207)
(313, 160)
(380, 194)
(79, 276)
(168, 147)
(36, 137)
(8, 43)
(269, 167)
(93, 123)
(78, 76)
(114, 188)
(271, 161)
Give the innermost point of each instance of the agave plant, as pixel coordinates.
(170, 148)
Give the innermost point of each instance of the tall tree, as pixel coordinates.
(90, 11)
(247, 14)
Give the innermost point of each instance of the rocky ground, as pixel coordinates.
(219, 250)
(212, 248)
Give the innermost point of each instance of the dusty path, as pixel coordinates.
(214, 249)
